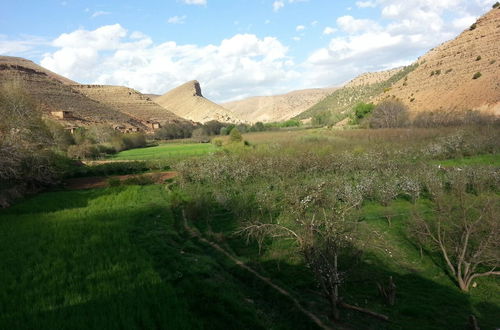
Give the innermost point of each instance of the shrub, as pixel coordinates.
(83, 151)
(361, 110)
(473, 26)
(388, 114)
(217, 142)
(235, 135)
(476, 75)
(496, 5)
(478, 58)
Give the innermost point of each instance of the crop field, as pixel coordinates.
(198, 252)
(166, 151)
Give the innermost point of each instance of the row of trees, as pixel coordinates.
(315, 199)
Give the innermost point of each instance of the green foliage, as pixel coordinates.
(496, 5)
(473, 27)
(478, 58)
(235, 135)
(476, 75)
(360, 111)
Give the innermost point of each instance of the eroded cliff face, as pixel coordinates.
(128, 101)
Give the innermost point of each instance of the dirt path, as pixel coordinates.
(102, 181)
(268, 281)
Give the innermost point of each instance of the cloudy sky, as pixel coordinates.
(235, 48)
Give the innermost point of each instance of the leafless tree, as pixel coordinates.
(389, 113)
(324, 237)
(465, 229)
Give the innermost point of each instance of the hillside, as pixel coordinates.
(445, 78)
(128, 101)
(56, 93)
(277, 107)
(21, 64)
(361, 89)
(186, 101)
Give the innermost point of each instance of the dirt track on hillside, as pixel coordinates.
(102, 181)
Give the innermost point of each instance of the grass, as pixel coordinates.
(117, 258)
(166, 151)
(488, 159)
(426, 297)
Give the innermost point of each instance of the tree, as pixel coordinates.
(389, 113)
(323, 234)
(361, 110)
(235, 135)
(465, 231)
(200, 135)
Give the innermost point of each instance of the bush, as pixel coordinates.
(83, 151)
(473, 26)
(361, 110)
(496, 5)
(476, 75)
(235, 135)
(389, 114)
(478, 58)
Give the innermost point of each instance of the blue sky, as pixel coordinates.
(235, 48)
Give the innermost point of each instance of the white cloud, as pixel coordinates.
(351, 25)
(296, 38)
(100, 13)
(329, 30)
(20, 47)
(300, 28)
(239, 66)
(177, 19)
(314, 23)
(277, 5)
(365, 4)
(410, 29)
(195, 2)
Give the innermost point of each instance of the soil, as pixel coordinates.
(102, 181)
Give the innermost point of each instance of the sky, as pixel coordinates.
(234, 48)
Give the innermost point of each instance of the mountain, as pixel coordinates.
(460, 74)
(27, 66)
(364, 88)
(129, 102)
(55, 93)
(277, 107)
(187, 102)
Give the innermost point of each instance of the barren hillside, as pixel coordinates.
(369, 78)
(277, 107)
(21, 64)
(128, 101)
(460, 74)
(186, 101)
(55, 93)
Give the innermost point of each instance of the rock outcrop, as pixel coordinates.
(187, 101)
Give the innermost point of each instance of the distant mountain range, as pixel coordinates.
(460, 74)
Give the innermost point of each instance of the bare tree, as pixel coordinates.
(389, 113)
(465, 229)
(324, 237)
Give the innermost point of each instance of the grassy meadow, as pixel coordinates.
(166, 151)
(120, 257)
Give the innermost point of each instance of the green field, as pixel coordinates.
(166, 151)
(116, 258)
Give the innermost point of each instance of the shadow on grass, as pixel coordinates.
(422, 303)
